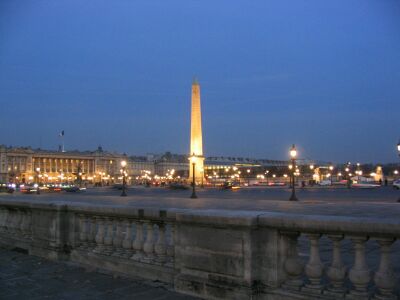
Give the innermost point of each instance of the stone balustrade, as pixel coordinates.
(334, 279)
(137, 238)
(215, 254)
(316, 278)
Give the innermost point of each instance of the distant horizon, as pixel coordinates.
(322, 75)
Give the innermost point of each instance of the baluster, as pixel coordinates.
(148, 246)
(127, 242)
(160, 247)
(138, 242)
(18, 221)
(3, 217)
(117, 241)
(8, 220)
(384, 278)
(108, 239)
(11, 221)
(82, 230)
(100, 236)
(22, 222)
(171, 242)
(92, 232)
(337, 271)
(359, 274)
(26, 224)
(293, 264)
(314, 267)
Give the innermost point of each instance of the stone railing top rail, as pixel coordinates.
(96, 209)
(329, 224)
(294, 222)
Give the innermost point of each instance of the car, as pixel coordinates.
(365, 185)
(28, 189)
(74, 189)
(178, 186)
(230, 186)
(276, 183)
(396, 184)
(325, 182)
(7, 188)
(50, 188)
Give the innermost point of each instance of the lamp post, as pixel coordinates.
(398, 152)
(293, 154)
(331, 169)
(79, 174)
(312, 174)
(37, 180)
(193, 161)
(248, 177)
(348, 175)
(123, 165)
(290, 171)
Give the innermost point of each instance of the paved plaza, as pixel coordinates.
(30, 277)
(377, 203)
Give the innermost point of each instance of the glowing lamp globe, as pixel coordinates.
(293, 151)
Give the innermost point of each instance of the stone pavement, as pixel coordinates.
(30, 277)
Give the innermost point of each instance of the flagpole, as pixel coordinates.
(62, 141)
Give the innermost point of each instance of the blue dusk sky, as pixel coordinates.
(324, 75)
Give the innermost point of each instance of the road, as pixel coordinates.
(381, 202)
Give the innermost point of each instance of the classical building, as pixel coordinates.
(175, 163)
(24, 164)
(140, 165)
(196, 136)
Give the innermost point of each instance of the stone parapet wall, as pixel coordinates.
(213, 254)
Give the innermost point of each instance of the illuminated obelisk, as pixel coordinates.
(196, 137)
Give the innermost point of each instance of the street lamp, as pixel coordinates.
(293, 155)
(398, 152)
(193, 161)
(123, 165)
(331, 169)
(248, 177)
(37, 180)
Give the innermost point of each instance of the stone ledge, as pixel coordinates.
(217, 217)
(332, 224)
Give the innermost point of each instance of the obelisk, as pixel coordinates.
(196, 137)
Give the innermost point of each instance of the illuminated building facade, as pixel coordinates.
(25, 165)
